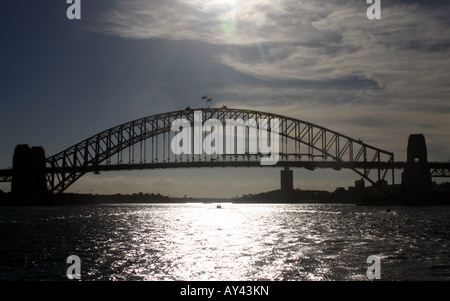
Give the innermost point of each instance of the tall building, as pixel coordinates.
(287, 180)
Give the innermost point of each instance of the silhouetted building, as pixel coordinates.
(287, 180)
(380, 188)
(339, 190)
(360, 185)
(416, 178)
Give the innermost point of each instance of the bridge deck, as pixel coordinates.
(437, 169)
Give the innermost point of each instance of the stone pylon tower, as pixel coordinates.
(29, 183)
(416, 178)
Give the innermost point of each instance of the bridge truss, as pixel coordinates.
(146, 144)
(439, 170)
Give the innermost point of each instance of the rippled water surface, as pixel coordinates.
(237, 242)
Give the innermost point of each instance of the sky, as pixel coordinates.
(324, 62)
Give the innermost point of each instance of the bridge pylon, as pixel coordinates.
(29, 182)
(416, 177)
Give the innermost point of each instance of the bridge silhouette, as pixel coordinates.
(145, 143)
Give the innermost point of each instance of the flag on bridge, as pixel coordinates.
(208, 101)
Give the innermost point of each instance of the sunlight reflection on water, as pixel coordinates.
(237, 242)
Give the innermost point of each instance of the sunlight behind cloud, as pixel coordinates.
(200, 20)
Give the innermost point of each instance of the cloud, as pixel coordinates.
(405, 52)
(406, 55)
(376, 79)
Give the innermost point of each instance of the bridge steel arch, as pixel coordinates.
(303, 144)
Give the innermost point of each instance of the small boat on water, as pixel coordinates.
(219, 206)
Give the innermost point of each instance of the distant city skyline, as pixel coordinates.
(323, 62)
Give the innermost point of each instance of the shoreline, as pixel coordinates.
(88, 199)
(439, 196)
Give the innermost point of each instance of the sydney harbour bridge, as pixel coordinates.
(146, 143)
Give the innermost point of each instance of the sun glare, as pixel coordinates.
(215, 5)
(224, 11)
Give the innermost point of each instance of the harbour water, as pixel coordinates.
(236, 242)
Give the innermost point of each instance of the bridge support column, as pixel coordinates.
(287, 180)
(416, 178)
(29, 184)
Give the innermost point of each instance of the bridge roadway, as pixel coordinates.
(437, 169)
